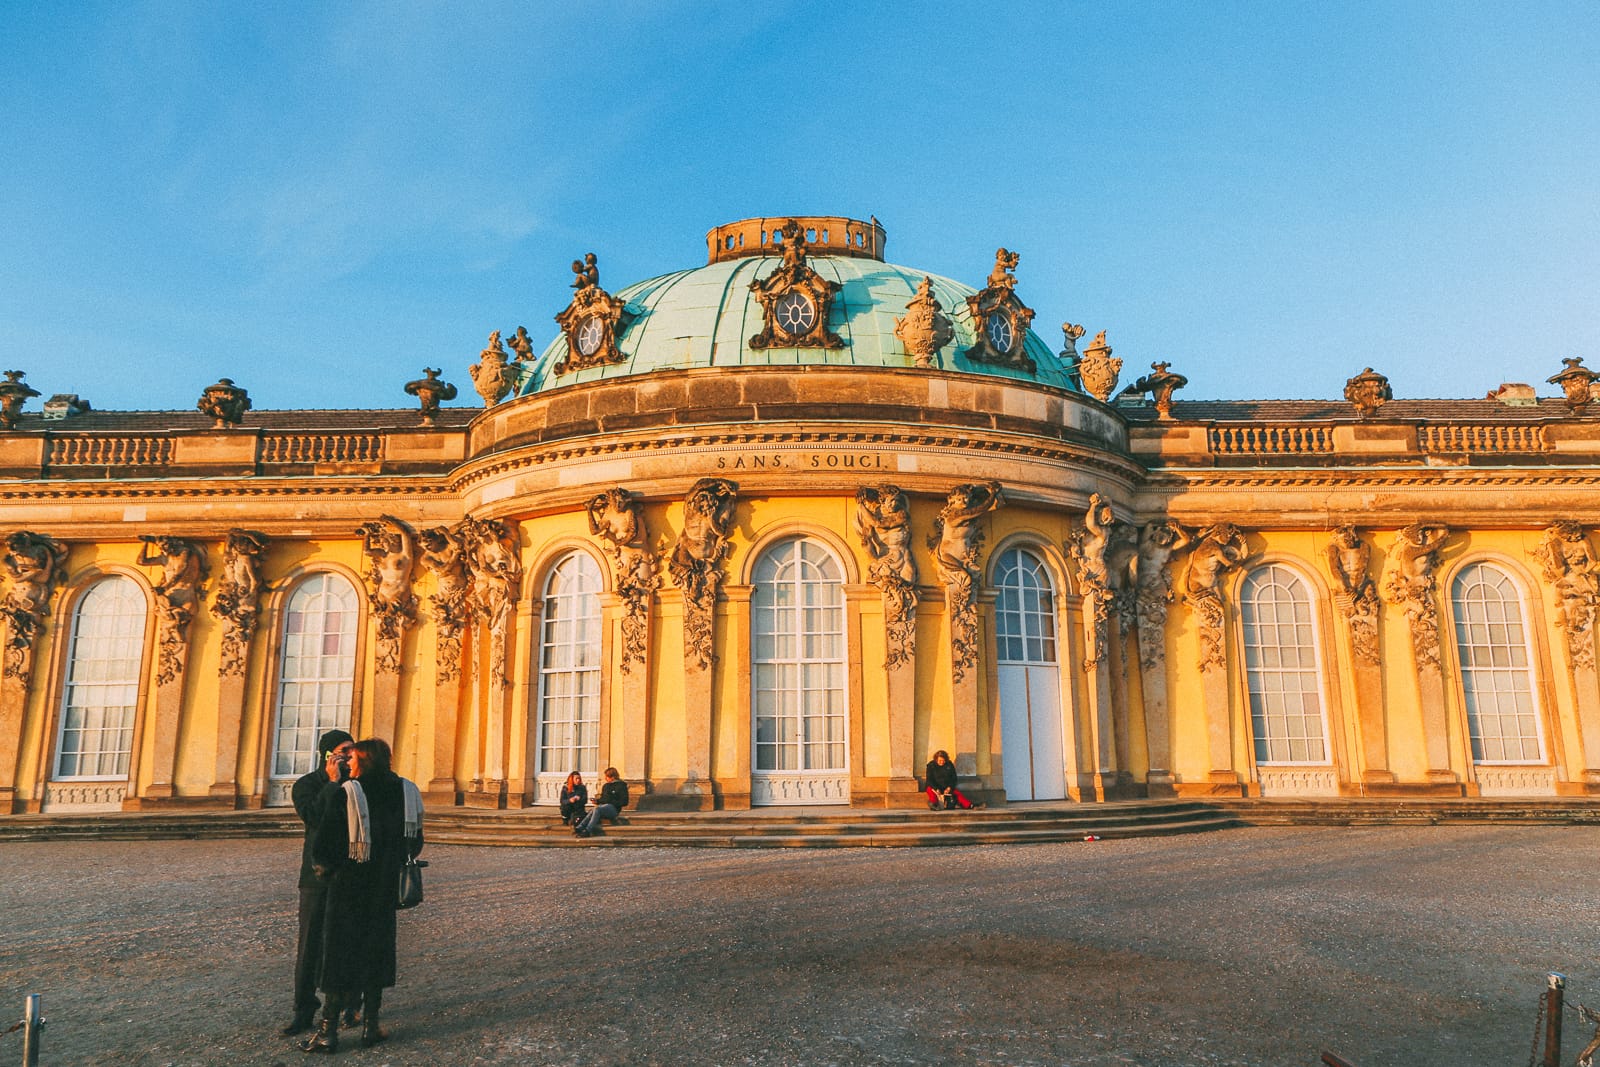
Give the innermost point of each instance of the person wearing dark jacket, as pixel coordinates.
(940, 777)
(368, 830)
(574, 798)
(309, 794)
(613, 798)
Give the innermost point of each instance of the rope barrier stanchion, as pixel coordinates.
(32, 1024)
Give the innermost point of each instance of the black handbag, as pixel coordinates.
(410, 889)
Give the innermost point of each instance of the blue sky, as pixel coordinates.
(319, 200)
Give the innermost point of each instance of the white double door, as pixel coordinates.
(1030, 732)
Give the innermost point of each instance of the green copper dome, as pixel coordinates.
(706, 316)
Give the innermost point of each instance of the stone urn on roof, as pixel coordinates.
(1368, 391)
(14, 392)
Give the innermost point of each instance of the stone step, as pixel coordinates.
(634, 836)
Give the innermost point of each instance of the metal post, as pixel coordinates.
(1554, 995)
(32, 1023)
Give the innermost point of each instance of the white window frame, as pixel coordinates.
(1466, 674)
(580, 664)
(1006, 615)
(798, 663)
(1259, 676)
(129, 632)
(340, 708)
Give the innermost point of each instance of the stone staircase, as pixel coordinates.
(1395, 811)
(823, 827)
(840, 827)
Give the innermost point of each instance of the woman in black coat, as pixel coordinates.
(362, 872)
(574, 798)
(940, 777)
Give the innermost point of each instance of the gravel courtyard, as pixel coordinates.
(1395, 947)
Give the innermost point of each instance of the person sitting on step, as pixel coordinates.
(574, 798)
(608, 805)
(941, 781)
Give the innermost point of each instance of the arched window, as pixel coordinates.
(569, 668)
(1282, 668)
(317, 674)
(1492, 644)
(798, 665)
(102, 684)
(1032, 748)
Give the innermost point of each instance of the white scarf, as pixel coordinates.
(413, 797)
(360, 822)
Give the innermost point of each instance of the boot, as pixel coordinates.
(301, 1022)
(326, 1040)
(370, 1033)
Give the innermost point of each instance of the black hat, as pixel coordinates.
(332, 740)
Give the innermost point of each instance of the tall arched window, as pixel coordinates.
(1282, 668)
(1033, 753)
(569, 668)
(317, 674)
(798, 669)
(102, 685)
(1492, 644)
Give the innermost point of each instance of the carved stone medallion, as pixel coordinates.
(925, 329)
(493, 376)
(1098, 369)
(591, 322)
(1368, 391)
(795, 300)
(1000, 320)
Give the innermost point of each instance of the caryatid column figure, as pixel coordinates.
(696, 569)
(445, 555)
(1217, 550)
(1412, 585)
(617, 519)
(956, 540)
(1090, 549)
(34, 565)
(390, 546)
(1355, 597)
(177, 591)
(1570, 566)
(236, 605)
(883, 523)
(1152, 593)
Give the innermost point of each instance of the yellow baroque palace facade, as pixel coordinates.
(771, 530)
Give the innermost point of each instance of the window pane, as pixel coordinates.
(569, 676)
(106, 654)
(1495, 677)
(1025, 623)
(798, 658)
(316, 677)
(1281, 668)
